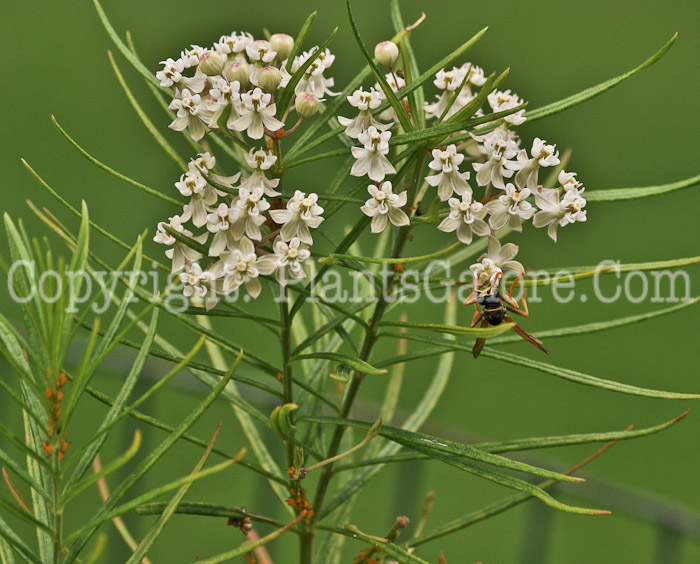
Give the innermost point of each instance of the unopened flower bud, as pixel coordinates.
(269, 78)
(282, 43)
(211, 63)
(238, 71)
(387, 53)
(306, 104)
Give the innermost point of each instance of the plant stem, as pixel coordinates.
(285, 338)
(307, 538)
(57, 511)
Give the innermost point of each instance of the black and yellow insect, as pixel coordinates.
(494, 311)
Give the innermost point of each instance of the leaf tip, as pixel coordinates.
(682, 416)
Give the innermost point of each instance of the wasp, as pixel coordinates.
(495, 307)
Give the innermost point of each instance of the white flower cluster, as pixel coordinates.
(507, 174)
(232, 83)
(383, 206)
(247, 235)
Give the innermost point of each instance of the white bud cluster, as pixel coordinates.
(232, 84)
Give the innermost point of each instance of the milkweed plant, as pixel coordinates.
(432, 155)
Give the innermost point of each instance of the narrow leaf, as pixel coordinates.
(128, 55)
(401, 114)
(573, 100)
(152, 129)
(358, 364)
(617, 194)
(585, 379)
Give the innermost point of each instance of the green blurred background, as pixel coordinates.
(644, 132)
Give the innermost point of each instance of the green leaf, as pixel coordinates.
(106, 471)
(158, 424)
(561, 105)
(388, 548)
(285, 97)
(17, 543)
(204, 510)
(391, 260)
(442, 448)
(299, 41)
(419, 415)
(243, 414)
(152, 129)
(401, 114)
(83, 536)
(188, 241)
(119, 175)
(148, 496)
(410, 62)
(250, 546)
(128, 55)
(485, 333)
(599, 326)
(577, 439)
(157, 528)
(617, 194)
(585, 379)
(358, 364)
(96, 442)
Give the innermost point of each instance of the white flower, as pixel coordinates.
(257, 113)
(302, 212)
(448, 178)
(192, 182)
(190, 57)
(543, 155)
(313, 79)
(385, 206)
(370, 158)
(260, 160)
(499, 146)
(467, 217)
(510, 208)
(494, 262)
(180, 253)
(221, 95)
(204, 164)
(171, 72)
(198, 206)
(234, 43)
(449, 82)
(200, 283)
(503, 101)
(241, 267)
(246, 213)
(187, 105)
(287, 259)
(219, 223)
(260, 51)
(556, 211)
(568, 182)
(363, 101)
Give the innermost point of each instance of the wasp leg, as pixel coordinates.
(478, 316)
(479, 344)
(525, 335)
(524, 312)
(471, 298)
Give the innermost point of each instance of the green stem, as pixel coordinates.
(356, 381)
(285, 337)
(57, 510)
